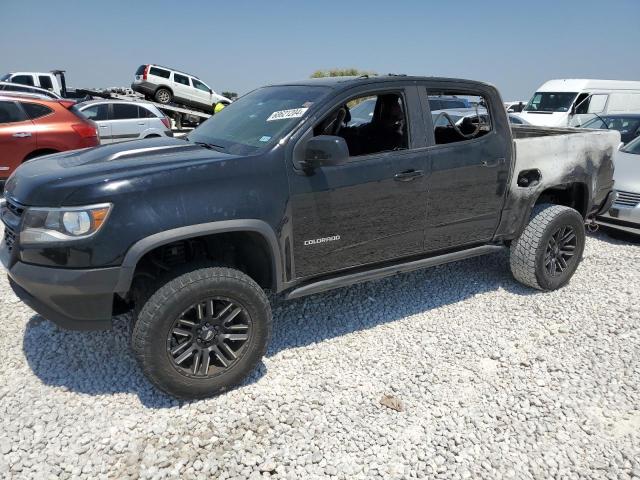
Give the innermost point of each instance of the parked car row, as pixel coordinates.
(32, 126)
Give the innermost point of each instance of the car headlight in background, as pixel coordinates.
(48, 225)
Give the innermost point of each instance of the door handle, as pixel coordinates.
(492, 163)
(141, 124)
(22, 134)
(408, 175)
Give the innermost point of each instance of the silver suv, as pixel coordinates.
(165, 85)
(123, 120)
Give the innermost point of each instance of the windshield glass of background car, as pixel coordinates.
(550, 102)
(632, 147)
(258, 118)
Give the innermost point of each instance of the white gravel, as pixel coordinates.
(495, 381)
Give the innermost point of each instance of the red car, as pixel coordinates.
(32, 126)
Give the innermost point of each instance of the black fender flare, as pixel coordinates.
(145, 245)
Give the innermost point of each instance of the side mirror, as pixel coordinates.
(326, 150)
(210, 91)
(573, 110)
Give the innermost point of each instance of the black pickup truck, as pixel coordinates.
(285, 190)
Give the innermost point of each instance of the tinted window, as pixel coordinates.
(385, 130)
(199, 85)
(159, 72)
(181, 79)
(96, 112)
(143, 112)
(36, 111)
(23, 79)
(10, 112)
(124, 111)
(45, 82)
(140, 70)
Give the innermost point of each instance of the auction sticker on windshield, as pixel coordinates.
(284, 114)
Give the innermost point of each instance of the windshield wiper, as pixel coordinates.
(210, 146)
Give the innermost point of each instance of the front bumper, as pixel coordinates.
(621, 217)
(73, 299)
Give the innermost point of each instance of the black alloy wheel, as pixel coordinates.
(560, 250)
(209, 337)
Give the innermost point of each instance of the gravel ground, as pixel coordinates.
(494, 380)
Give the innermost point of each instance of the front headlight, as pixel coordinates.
(47, 225)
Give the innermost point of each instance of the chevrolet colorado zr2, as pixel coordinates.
(283, 191)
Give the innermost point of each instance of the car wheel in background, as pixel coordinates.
(163, 95)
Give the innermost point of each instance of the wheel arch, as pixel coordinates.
(166, 87)
(258, 228)
(39, 153)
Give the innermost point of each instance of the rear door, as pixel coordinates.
(99, 113)
(182, 90)
(17, 137)
(125, 124)
(469, 170)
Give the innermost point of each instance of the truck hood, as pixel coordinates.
(50, 180)
(545, 119)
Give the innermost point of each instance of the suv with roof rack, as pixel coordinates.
(166, 85)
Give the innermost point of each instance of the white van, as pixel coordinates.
(571, 102)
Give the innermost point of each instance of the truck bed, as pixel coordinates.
(553, 157)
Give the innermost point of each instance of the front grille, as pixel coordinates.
(627, 199)
(9, 238)
(15, 209)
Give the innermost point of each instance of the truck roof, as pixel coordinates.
(346, 82)
(579, 84)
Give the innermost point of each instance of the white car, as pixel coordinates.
(165, 85)
(119, 121)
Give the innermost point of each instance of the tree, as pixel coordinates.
(341, 72)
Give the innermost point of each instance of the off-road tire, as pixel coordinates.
(163, 96)
(157, 316)
(527, 255)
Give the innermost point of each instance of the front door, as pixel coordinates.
(372, 208)
(470, 155)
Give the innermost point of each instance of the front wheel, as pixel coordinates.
(547, 253)
(202, 332)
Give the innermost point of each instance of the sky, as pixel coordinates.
(237, 46)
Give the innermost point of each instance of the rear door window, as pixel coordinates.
(35, 110)
(10, 113)
(125, 111)
(144, 112)
(159, 72)
(456, 123)
(45, 82)
(97, 112)
(23, 80)
(181, 79)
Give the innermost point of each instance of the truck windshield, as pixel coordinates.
(257, 119)
(550, 102)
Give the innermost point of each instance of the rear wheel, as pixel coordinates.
(547, 253)
(202, 332)
(163, 95)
